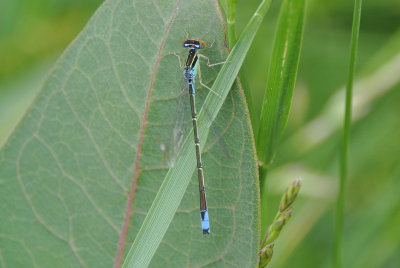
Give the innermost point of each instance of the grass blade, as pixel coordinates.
(346, 136)
(281, 79)
(172, 189)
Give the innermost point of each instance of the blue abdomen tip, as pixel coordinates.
(205, 224)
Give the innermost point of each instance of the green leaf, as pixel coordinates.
(80, 172)
(281, 79)
(172, 189)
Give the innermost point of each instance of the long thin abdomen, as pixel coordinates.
(205, 225)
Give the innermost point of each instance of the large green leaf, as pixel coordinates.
(104, 127)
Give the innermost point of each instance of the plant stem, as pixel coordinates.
(231, 23)
(232, 39)
(346, 137)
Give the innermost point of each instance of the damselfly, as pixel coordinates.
(190, 70)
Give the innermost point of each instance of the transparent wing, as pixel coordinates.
(182, 124)
(172, 118)
(168, 121)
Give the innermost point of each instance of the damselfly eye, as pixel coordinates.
(199, 44)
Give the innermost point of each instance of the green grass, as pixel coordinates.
(346, 137)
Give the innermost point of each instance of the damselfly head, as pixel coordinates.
(199, 44)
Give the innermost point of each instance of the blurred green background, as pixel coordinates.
(33, 33)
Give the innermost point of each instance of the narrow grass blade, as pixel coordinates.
(281, 79)
(173, 187)
(346, 136)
